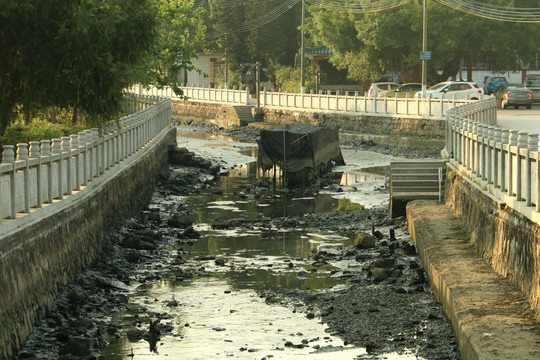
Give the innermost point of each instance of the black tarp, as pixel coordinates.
(300, 146)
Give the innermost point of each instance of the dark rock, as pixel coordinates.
(386, 263)
(179, 221)
(409, 249)
(76, 297)
(365, 241)
(134, 334)
(379, 274)
(78, 346)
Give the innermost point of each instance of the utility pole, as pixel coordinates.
(424, 50)
(302, 70)
(258, 83)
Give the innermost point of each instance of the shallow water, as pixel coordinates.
(220, 315)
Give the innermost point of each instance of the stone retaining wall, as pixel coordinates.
(184, 110)
(37, 260)
(374, 125)
(507, 240)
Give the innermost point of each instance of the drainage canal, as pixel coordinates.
(210, 290)
(219, 313)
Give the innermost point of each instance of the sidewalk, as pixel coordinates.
(491, 318)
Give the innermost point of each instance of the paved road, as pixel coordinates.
(520, 119)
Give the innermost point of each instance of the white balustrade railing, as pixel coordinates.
(195, 93)
(502, 161)
(48, 170)
(360, 105)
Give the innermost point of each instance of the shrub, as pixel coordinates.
(20, 132)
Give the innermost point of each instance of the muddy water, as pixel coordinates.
(219, 314)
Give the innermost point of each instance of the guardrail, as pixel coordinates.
(360, 105)
(502, 161)
(48, 170)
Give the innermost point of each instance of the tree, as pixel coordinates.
(180, 35)
(370, 45)
(83, 54)
(271, 43)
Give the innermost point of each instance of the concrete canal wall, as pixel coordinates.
(38, 258)
(508, 241)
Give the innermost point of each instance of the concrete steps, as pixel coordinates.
(244, 114)
(414, 180)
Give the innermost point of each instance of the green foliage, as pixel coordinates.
(370, 45)
(276, 42)
(288, 78)
(20, 132)
(81, 55)
(180, 36)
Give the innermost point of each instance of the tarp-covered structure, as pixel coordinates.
(300, 149)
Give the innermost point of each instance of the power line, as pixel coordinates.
(472, 7)
(261, 20)
(494, 12)
(359, 5)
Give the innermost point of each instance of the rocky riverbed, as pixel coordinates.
(387, 307)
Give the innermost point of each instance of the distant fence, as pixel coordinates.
(48, 170)
(361, 105)
(504, 162)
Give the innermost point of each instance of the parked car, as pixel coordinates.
(492, 83)
(402, 90)
(532, 81)
(375, 88)
(450, 89)
(515, 95)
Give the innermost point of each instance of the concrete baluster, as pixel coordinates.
(523, 139)
(512, 146)
(83, 150)
(66, 148)
(46, 154)
(8, 156)
(22, 155)
(532, 146)
(106, 149)
(497, 153)
(480, 155)
(537, 185)
(490, 153)
(99, 160)
(505, 159)
(474, 147)
(74, 145)
(458, 152)
(470, 135)
(35, 154)
(91, 154)
(56, 150)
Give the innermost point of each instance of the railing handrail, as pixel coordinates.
(49, 170)
(354, 105)
(503, 162)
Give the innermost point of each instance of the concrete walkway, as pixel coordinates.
(490, 317)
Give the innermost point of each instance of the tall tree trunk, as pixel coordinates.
(469, 68)
(53, 114)
(74, 118)
(27, 114)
